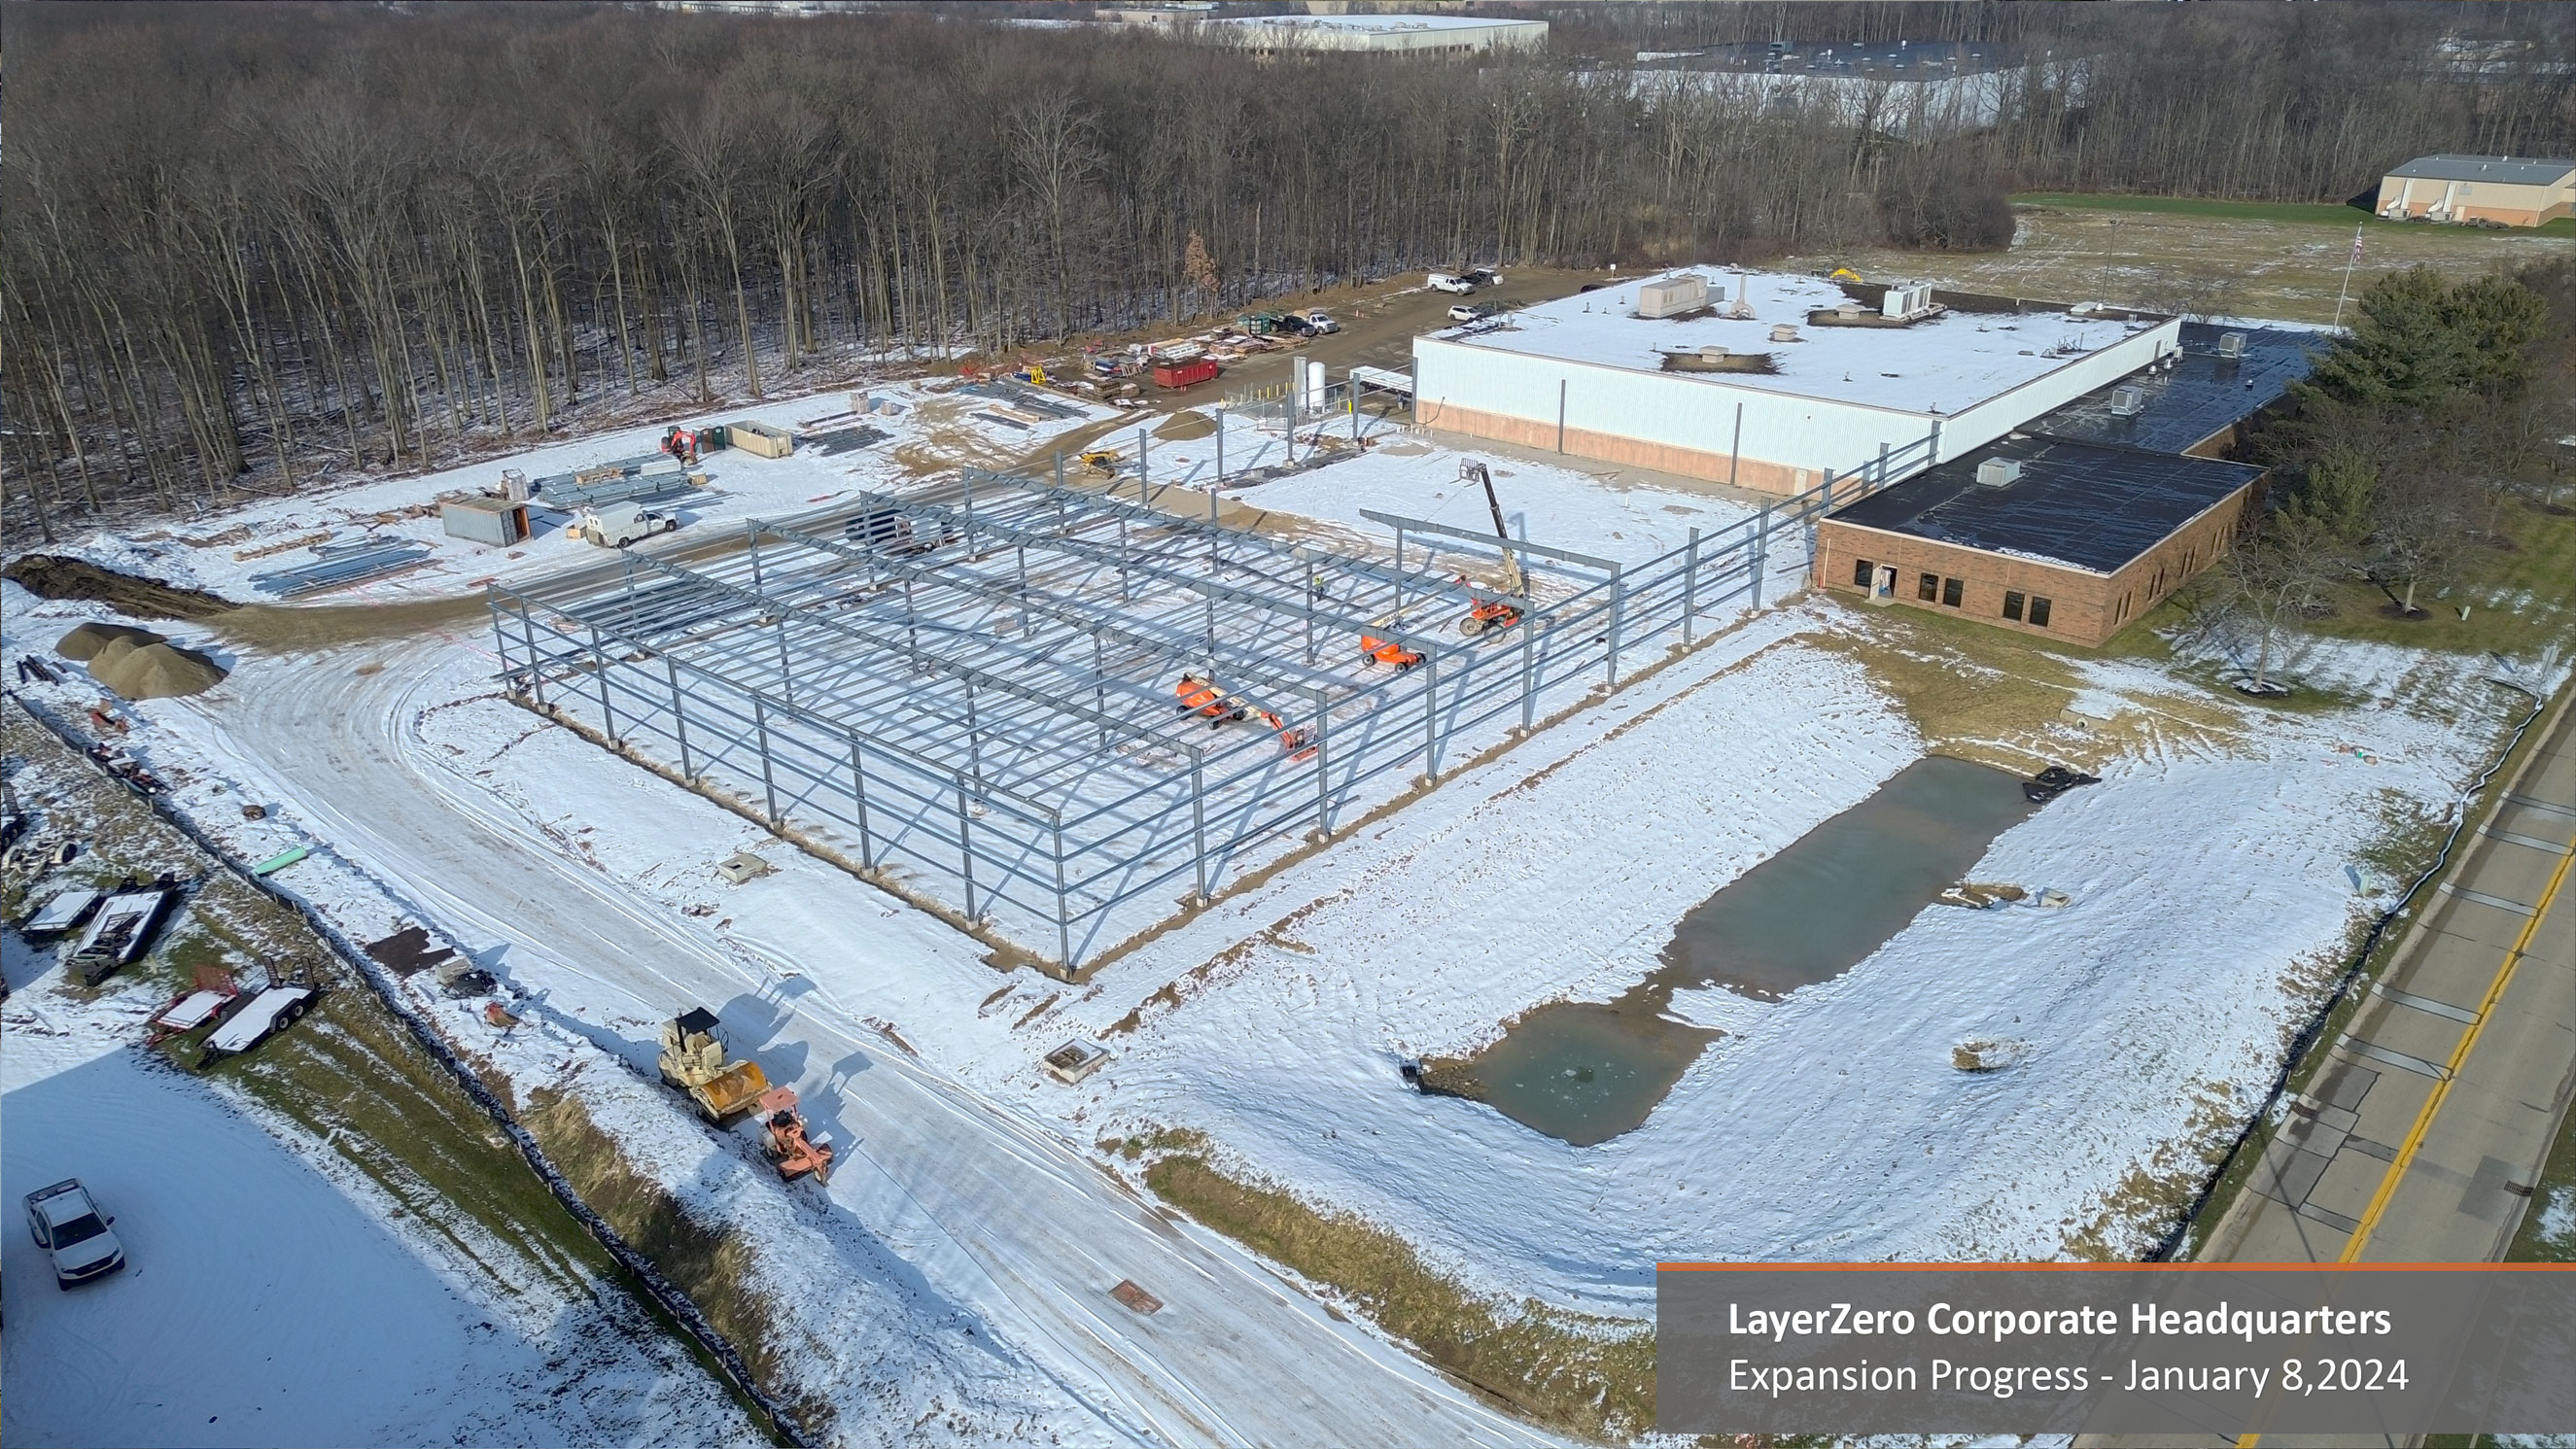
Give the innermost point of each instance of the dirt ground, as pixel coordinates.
(2194, 264)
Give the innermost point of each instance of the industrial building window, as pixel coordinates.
(2012, 603)
(1928, 587)
(1950, 590)
(1863, 571)
(2039, 613)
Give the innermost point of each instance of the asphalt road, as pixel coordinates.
(2422, 1135)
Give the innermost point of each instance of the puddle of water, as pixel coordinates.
(1845, 888)
(1586, 1071)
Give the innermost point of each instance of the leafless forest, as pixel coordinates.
(251, 244)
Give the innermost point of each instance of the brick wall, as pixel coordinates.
(2084, 608)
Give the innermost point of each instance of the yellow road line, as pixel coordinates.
(2442, 1089)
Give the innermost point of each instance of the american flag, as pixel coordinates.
(2356, 246)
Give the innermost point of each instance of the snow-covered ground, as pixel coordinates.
(936, 423)
(271, 1296)
(1542, 503)
(970, 1237)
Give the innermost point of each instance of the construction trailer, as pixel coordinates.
(484, 518)
(983, 719)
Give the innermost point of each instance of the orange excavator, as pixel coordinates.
(792, 1150)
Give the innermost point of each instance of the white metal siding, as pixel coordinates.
(1698, 411)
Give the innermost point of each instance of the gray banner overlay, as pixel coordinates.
(2120, 1349)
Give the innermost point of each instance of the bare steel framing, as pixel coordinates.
(970, 691)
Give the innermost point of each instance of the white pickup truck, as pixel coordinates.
(615, 525)
(69, 1226)
(1444, 282)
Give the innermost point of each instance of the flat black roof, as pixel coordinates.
(2201, 394)
(2084, 504)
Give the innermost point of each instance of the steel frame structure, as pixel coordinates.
(970, 689)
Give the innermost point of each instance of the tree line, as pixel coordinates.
(248, 245)
(2418, 434)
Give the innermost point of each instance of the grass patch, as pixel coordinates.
(1976, 692)
(2329, 213)
(2518, 598)
(1570, 1372)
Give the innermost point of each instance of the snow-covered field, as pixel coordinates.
(959, 1262)
(271, 1295)
(935, 424)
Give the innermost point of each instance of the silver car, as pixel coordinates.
(68, 1224)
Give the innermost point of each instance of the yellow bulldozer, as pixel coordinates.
(693, 1061)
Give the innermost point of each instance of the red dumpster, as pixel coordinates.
(1185, 374)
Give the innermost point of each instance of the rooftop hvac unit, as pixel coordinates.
(2128, 402)
(1672, 296)
(1998, 473)
(1907, 301)
(2231, 344)
(1784, 332)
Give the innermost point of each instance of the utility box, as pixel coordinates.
(760, 439)
(484, 518)
(1672, 296)
(742, 866)
(1907, 302)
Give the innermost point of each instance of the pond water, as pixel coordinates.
(1588, 1071)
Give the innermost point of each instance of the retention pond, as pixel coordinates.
(1588, 1071)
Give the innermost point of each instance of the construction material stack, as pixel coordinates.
(693, 1061)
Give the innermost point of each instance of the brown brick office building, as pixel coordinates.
(2071, 540)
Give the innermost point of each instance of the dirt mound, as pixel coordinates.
(89, 640)
(48, 576)
(155, 671)
(1181, 427)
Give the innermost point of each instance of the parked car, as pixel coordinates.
(1296, 324)
(1443, 282)
(1461, 312)
(1481, 277)
(68, 1225)
(1321, 320)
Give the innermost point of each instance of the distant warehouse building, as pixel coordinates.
(1767, 381)
(1388, 34)
(2497, 190)
(1917, 90)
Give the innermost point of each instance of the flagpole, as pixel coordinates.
(2349, 263)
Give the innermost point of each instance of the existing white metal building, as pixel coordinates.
(1778, 379)
(1409, 34)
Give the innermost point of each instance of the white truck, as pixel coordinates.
(1445, 282)
(67, 1224)
(615, 525)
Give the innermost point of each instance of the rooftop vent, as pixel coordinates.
(2231, 344)
(1998, 473)
(2128, 402)
(1783, 332)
